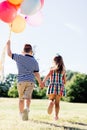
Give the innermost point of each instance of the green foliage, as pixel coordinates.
(3, 90)
(70, 74)
(39, 93)
(77, 88)
(13, 91)
(4, 86)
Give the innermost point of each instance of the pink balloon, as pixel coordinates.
(34, 20)
(42, 3)
(8, 12)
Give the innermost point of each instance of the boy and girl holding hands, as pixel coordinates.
(28, 70)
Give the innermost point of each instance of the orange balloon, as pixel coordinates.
(18, 25)
(15, 2)
(17, 6)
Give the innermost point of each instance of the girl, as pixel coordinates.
(56, 87)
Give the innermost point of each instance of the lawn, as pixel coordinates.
(73, 116)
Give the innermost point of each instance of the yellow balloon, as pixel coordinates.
(15, 2)
(18, 24)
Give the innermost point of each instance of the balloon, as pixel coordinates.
(18, 25)
(34, 20)
(42, 3)
(17, 6)
(29, 7)
(15, 2)
(8, 12)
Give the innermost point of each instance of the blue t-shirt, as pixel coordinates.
(26, 65)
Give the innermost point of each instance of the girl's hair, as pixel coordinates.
(27, 48)
(59, 62)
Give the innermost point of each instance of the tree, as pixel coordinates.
(13, 90)
(76, 88)
(70, 74)
(6, 84)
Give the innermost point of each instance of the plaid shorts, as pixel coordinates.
(25, 89)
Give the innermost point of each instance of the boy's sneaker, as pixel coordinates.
(50, 107)
(25, 115)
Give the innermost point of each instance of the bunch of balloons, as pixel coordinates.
(17, 12)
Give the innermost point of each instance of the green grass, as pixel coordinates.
(72, 116)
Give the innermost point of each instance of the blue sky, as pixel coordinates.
(63, 31)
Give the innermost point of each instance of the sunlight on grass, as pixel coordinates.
(72, 115)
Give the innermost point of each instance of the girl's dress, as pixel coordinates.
(56, 85)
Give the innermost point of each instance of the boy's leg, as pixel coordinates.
(27, 96)
(21, 105)
(21, 88)
(27, 104)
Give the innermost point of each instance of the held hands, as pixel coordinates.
(42, 85)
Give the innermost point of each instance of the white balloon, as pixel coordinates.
(35, 20)
(30, 7)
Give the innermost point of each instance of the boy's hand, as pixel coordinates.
(41, 85)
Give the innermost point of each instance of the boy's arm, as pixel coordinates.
(37, 75)
(8, 47)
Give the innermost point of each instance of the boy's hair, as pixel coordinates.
(27, 48)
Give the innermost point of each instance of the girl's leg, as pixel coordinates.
(57, 106)
(51, 104)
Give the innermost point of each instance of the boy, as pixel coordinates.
(28, 69)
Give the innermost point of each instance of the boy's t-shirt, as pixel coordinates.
(26, 65)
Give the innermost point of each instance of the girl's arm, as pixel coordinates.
(64, 78)
(47, 77)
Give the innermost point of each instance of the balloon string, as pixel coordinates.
(10, 32)
(9, 36)
(2, 59)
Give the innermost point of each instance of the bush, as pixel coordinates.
(76, 89)
(39, 93)
(13, 91)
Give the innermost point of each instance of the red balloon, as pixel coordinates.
(8, 12)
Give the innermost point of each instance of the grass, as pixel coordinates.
(72, 116)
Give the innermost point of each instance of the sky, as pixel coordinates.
(63, 31)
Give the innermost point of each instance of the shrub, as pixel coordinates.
(76, 89)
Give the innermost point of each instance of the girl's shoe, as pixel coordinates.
(56, 118)
(50, 107)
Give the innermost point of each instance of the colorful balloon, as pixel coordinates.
(35, 20)
(18, 25)
(29, 7)
(8, 12)
(17, 6)
(15, 2)
(42, 3)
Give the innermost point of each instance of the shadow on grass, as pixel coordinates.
(63, 127)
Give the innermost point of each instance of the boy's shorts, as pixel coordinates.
(25, 89)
